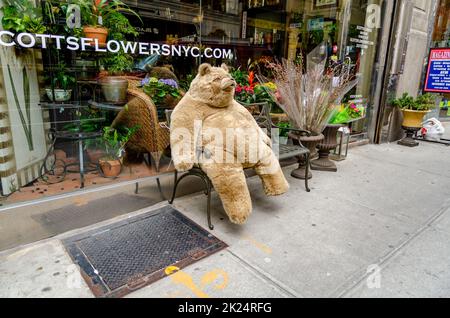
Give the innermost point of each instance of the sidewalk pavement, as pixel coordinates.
(379, 227)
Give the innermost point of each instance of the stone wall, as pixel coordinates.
(417, 48)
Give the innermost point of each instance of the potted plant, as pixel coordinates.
(117, 64)
(308, 98)
(414, 110)
(164, 92)
(61, 83)
(22, 16)
(95, 15)
(115, 140)
(114, 86)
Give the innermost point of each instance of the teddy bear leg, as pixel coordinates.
(229, 183)
(272, 177)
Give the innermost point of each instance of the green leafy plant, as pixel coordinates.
(115, 140)
(97, 12)
(241, 77)
(426, 101)
(90, 121)
(185, 83)
(119, 26)
(22, 16)
(61, 79)
(284, 128)
(160, 89)
(117, 63)
(421, 103)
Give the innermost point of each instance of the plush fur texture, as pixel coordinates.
(225, 124)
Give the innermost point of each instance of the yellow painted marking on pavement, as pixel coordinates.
(212, 276)
(181, 278)
(266, 249)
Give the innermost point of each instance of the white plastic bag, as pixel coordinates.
(432, 130)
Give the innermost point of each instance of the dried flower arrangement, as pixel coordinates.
(308, 98)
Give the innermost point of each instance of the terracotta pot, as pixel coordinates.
(110, 168)
(97, 32)
(413, 118)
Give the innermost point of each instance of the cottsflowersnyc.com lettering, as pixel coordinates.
(29, 40)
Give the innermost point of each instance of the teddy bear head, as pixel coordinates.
(213, 86)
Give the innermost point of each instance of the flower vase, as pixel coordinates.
(311, 143)
(323, 163)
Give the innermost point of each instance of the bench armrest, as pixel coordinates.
(300, 131)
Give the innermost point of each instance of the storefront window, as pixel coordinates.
(84, 87)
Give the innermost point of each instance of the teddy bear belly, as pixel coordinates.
(231, 138)
(247, 150)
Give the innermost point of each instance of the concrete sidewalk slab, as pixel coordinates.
(420, 270)
(221, 275)
(379, 209)
(41, 270)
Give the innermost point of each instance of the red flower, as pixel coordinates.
(238, 89)
(249, 89)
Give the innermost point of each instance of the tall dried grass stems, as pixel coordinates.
(309, 99)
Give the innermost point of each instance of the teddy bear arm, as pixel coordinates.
(182, 139)
(271, 175)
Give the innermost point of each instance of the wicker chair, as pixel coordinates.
(153, 137)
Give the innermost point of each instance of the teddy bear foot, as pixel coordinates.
(238, 219)
(274, 185)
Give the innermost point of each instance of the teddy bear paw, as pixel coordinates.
(184, 166)
(238, 219)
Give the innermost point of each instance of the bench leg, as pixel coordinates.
(175, 185)
(208, 190)
(307, 172)
(208, 205)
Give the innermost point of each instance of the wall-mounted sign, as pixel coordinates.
(28, 40)
(315, 24)
(438, 73)
(363, 39)
(244, 25)
(324, 4)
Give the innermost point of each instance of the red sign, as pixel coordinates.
(438, 73)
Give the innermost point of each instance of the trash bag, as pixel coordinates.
(432, 129)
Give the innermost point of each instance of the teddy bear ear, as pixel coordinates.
(225, 67)
(204, 69)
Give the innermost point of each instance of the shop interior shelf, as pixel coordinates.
(105, 106)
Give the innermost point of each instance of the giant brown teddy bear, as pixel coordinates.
(211, 130)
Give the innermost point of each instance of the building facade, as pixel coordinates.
(48, 142)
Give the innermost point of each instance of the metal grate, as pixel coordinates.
(125, 256)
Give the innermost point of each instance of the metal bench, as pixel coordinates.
(263, 119)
